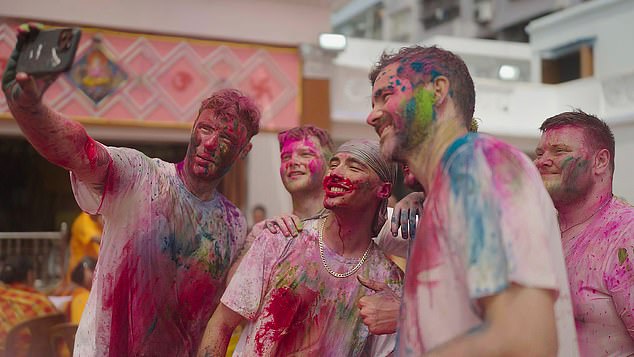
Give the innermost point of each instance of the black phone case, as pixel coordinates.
(50, 51)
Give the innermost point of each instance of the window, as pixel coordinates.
(437, 12)
(568, 63)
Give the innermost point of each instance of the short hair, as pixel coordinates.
(305, 132)
(595, 130)
(77, 275)
(16, 269)
(420, 63)
(231, 103)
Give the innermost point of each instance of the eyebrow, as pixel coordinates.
(352, 160)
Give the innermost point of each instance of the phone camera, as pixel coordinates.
(65, 38)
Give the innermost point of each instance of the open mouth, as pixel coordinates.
(295, 174)
(334, 187)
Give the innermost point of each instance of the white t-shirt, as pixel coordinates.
(163, 260)
(487, 222)
(294, 306)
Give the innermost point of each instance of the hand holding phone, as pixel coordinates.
(24, 83)
(48, 52)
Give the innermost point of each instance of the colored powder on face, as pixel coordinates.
(315, 166)
(336, 179)
(419, 114)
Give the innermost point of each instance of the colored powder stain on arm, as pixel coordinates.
(91, 152)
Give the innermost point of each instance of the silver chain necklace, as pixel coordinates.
(323, 257)
(587, 219)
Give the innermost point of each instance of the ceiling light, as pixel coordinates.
(332, 41)
(509, 73)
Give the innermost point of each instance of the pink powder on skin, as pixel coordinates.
(91, 152)
(601, 276)
(304, 153)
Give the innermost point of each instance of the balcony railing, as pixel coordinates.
(47, 250)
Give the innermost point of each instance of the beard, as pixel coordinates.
(565, 191)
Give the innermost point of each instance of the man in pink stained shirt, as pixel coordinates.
(575, 158)
(300, 295)
(486, 273)
(169, 236)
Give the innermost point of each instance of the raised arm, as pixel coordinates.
(218, 332)
(58, 139)
(518, 321)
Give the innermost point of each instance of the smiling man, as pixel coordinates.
(486, 274)
(299, 295)
(575, 158)
(169, 236)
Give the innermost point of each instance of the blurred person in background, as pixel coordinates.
(82, 276)
(19, 301)
(258, 214)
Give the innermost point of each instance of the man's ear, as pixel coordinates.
(245, 150)
(601, 161)
(385, 190)
(441, 89)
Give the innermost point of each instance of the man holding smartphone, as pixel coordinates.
(169, 237)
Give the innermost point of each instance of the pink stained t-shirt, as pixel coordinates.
(600, 263)
(163, 260)
(294, 306)
(487, 222)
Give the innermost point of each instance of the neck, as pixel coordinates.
(307, 204)
(348, 233)
(203, 189)
(424, 159)
(581, 211)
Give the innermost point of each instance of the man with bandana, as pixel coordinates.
(299, 295)
(485, 274)
(169, 237)
(575, 158)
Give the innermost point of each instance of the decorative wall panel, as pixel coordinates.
(122, 76)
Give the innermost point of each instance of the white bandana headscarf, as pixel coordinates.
(369, 153)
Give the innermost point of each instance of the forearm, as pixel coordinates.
(62, 141)
(218, 332)
(215, 343)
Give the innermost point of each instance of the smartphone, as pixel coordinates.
(49, 51)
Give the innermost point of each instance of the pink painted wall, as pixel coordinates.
(168, 77)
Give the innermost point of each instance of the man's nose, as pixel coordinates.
(374, 117)
(543, 161)
(210, 142)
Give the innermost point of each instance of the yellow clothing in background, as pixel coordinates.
(233, 342)
(78, 303)
(81, 240)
